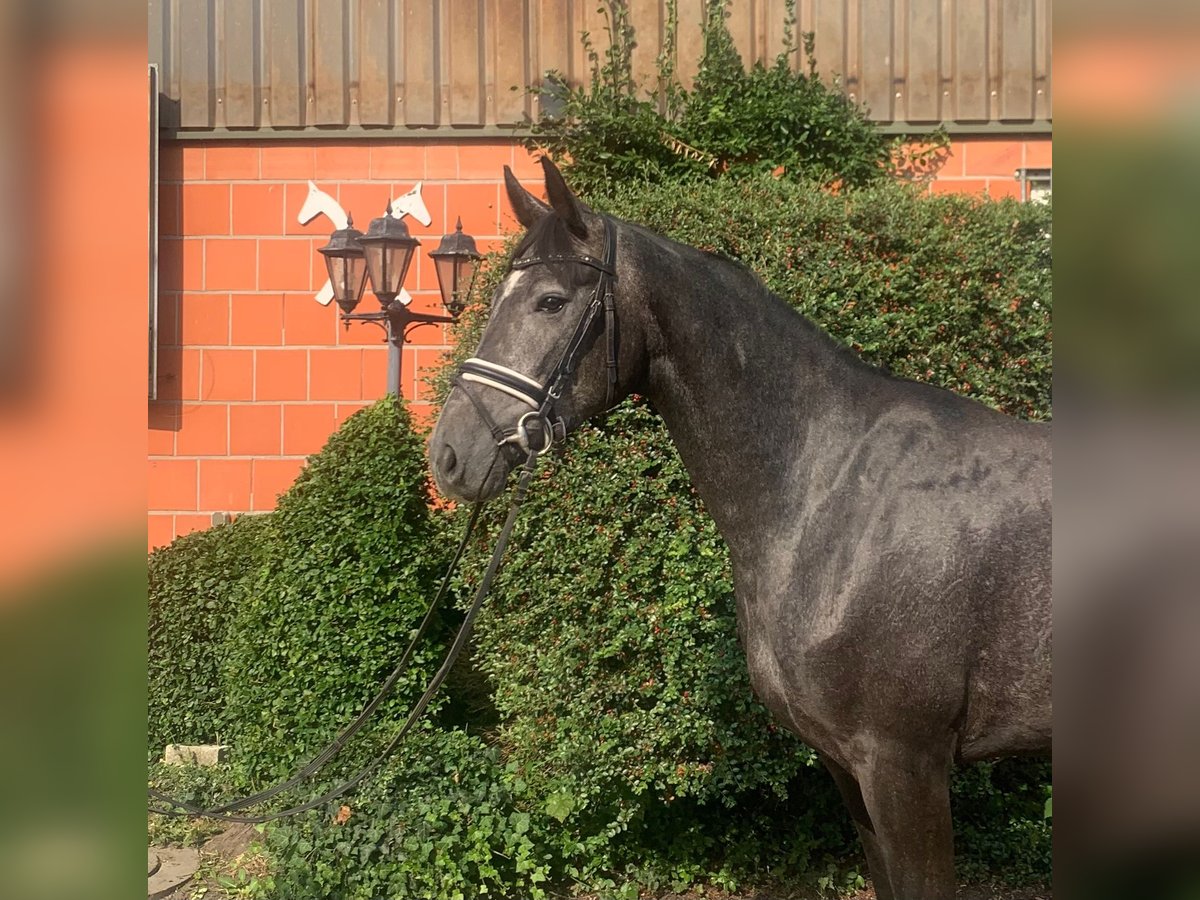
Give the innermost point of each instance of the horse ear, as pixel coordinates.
(528, 208)
(563, 201)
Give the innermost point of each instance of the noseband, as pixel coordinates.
(540, 398)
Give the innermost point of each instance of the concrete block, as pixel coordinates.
(195, 754)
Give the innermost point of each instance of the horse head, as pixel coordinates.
(411, 204)
(549, 357)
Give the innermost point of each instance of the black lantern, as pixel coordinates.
(388, 248)
(347, 267)
(455, 259)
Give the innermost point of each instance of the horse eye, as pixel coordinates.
(551, 303)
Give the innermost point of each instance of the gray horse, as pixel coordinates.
(890, 540)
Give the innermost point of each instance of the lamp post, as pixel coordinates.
(383, 256)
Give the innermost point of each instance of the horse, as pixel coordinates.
(890, 540)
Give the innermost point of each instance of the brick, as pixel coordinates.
(363, 202)
(204, 430)
(225, 484)
(255, 429)
(204, 209)
(344, 411)
(171, 484)
(992, 156)
(170, 163)
(168, 319)
(271, 477)
(1003, 187)
(257, 209)
(477, 204)
(160, 530)
(403, 161)
(361, 334)
(160, 439)
(178, 375)
(168, 209)
(284, 264)
(441, 161)
(428, 363)
(256, 319)
(335, 162)
(188, 524)
(288, 162)
(231, 162)
(1039, 154)
(193, 162)
(423, 416)
(230, 264)
(306, 322)
(374, 372)
(191, 362)
(180, 265)
(306, 427)
(228, 375)
(335, 374)
(484, 160)
(526, 165)
(281, 374)
(204, 319)
(959, 186)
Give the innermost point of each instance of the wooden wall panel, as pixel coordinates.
(374, 83)
(296, 64)
(328, 86)
(197, 63)
(240, 87)
(284, 32)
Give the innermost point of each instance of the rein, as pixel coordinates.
(541, 400)
(228, 812)
(539, 397)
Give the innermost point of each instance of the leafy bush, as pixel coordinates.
(351, 559)
(446, 820)
(193, 590)
(733, 120)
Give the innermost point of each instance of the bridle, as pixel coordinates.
(539, 397)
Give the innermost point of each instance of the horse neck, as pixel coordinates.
(751, 392)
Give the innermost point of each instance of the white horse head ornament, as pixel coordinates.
(320, 203)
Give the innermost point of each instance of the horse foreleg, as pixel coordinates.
(907, 796)
(853, 798)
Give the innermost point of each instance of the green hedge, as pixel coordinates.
(193, 592)
(351, 560)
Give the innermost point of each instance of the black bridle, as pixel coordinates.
(541, 397)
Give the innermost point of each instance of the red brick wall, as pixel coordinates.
(985, 165)
(254, 374)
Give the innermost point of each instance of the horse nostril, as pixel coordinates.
(447, 459)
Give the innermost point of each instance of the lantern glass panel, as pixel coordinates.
(454, 279)
(387, 267)
(348, 278)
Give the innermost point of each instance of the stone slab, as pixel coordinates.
(195, 754)
(176, 866)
